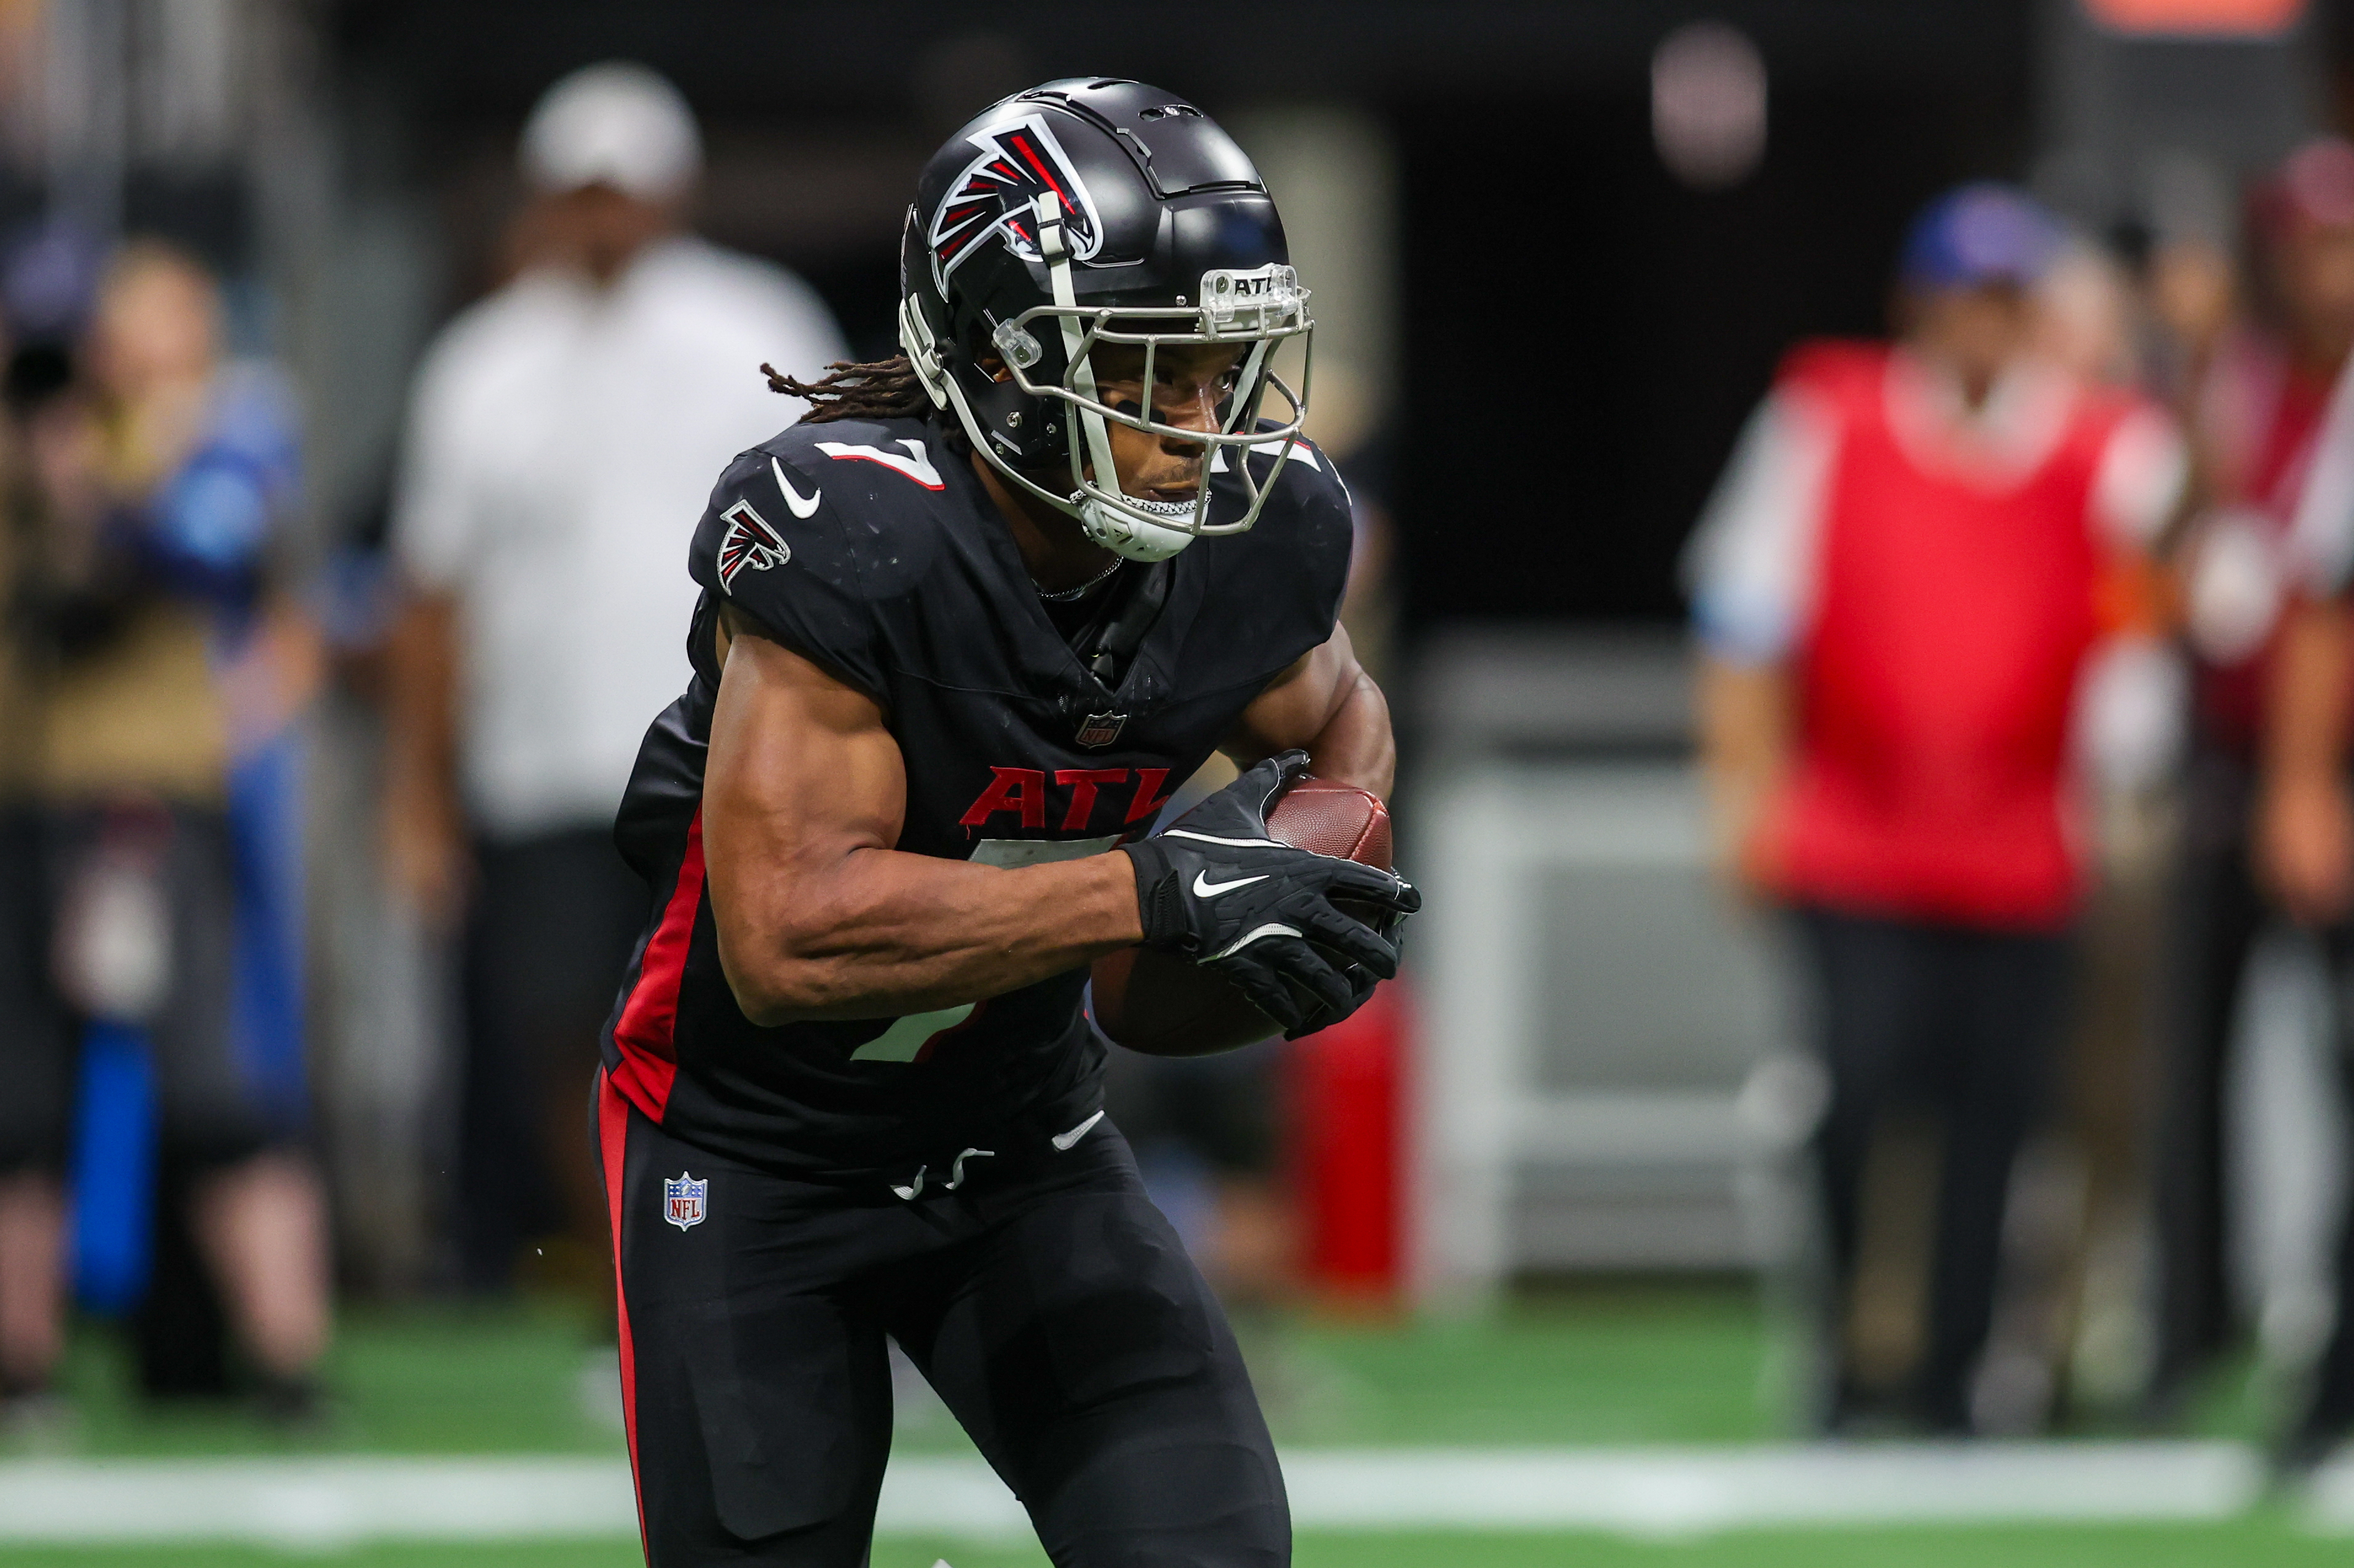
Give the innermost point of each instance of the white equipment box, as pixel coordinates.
(1604, 1031)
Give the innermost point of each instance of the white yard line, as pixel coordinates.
(312, 1503)
(328, 1503)
(1684, 1491)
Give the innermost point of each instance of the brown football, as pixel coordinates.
(1164, 1006)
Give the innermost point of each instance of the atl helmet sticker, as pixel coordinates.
(998, 192)
(748, 541)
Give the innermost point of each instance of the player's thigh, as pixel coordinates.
(759, 1406)
(1090, 1362)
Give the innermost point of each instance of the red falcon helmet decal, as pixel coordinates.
(748, 541)
(998, 192)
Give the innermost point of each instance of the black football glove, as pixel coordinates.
(1217, 888)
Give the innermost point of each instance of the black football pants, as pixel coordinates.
(1960, 1023)
(1047, 1301)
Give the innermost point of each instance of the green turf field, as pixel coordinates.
(1629, 1364)
(1597, 1366)
(1601, 1365)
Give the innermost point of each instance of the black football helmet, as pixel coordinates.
(1086, 211)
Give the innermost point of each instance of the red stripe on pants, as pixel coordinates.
(646, 1036)
(613, 1145)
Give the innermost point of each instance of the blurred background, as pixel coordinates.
(354, 349)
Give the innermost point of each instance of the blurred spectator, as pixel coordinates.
(563, 436)
(30, 1219)
(1894, 591)
(2304, 826)
(159, 929)
(2255, 408)
(2072, 1308)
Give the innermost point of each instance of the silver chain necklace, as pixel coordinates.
(1067, 595)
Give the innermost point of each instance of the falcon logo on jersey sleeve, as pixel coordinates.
(748, 541)
(999, 191)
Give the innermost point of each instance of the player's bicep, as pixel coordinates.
(801, 773)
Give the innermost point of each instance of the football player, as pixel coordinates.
(962, 628)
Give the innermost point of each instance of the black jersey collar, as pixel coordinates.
(1046, 661)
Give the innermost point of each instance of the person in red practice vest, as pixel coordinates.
(2255, 412)
(1894, 589)
(2303, 820)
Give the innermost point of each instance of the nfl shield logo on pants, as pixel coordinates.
(682, 1199)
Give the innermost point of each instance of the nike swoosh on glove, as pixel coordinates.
(1217, 888)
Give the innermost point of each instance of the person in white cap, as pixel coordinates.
(561, 440)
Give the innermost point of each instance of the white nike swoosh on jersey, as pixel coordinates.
(793, 497)
(1205, 889)
(1063, 1140)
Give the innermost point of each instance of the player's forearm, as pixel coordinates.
(1326, 705)
(1356, 744)
(879, 933)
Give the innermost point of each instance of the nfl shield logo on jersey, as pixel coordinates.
(1100, 729)
(682, 1199)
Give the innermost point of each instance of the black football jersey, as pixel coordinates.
(872, 549)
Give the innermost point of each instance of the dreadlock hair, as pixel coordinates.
(885, 389)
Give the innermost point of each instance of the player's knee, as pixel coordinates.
(1148, 1497)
